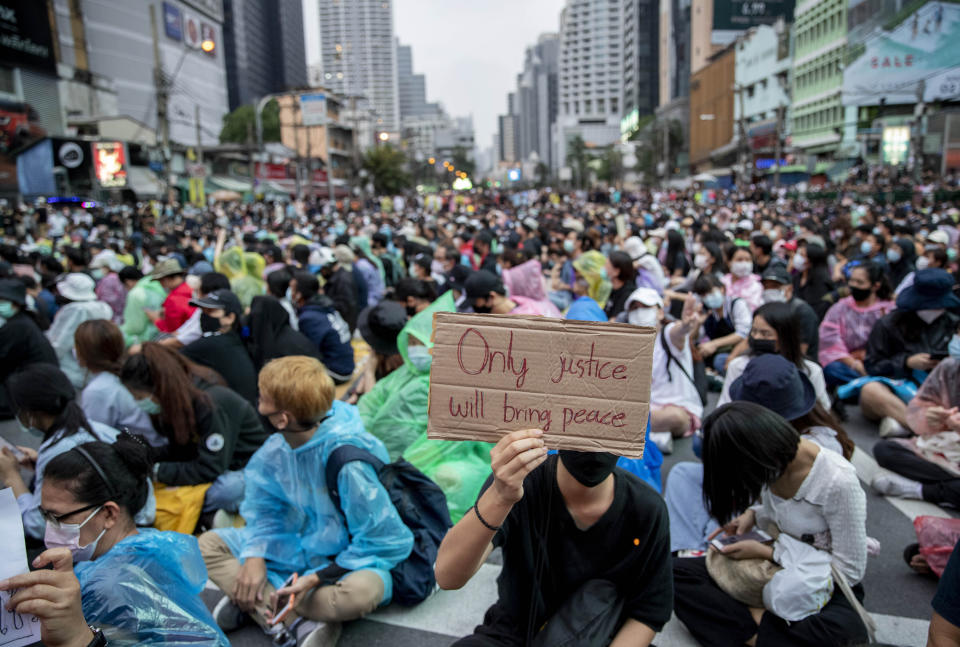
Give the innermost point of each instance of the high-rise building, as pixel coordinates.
(674, 60)
(358, 55)
(591, 74)
(412, 88)
(640, 55)
(508, 150)
(536, 98)
(263, 42)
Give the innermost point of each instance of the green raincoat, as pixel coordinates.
(137, 327)
(395, 411)
(245, 271)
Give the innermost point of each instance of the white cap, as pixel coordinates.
(939, 237)
(645, 296)
(635, 248)
(77, 287)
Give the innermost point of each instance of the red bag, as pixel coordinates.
(937, 536)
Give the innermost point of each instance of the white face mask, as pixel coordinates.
(68, 536)
(799, 262)
(714, 300)
(774, 296)
(923, 263)
(741, 269)
(643, 317)
(700, 261)
(696, 248)
(420, 357)
(929, 316)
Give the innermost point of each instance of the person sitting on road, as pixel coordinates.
(785, 480)
(22, 343)
(271, 335)
(342, 556)
(176, 307)
(488, 295)
(572, 527)
(727, 324)
(906, 344)
(81, 304)
(741, 282)
(139, 585)
(322, 324)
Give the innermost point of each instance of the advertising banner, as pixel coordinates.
(25, 37)
(895, 57)
(172, 21)
(110, 164)
(313, 109)
(740, 15)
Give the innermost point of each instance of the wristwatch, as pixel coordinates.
(99, 640)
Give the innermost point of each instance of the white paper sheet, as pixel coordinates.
(16, 629)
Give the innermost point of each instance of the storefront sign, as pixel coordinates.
(110, 164)
(25, 37)
(172, 21)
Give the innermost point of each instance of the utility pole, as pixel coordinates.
(250, 162)
(326, 137)
(163, 95)
(742, 150)
(297, 127)
(309, 161)
(666, 151)
(777, 150)
(918, 131)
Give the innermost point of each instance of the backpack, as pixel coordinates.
(422, 507)
(701, 385)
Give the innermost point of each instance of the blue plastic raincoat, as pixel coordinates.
(294, 525)
(146, 591)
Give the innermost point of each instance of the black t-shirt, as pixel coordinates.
(809, 325)
(629, 546)
(227, 355)
(618, 299)
(947, 600)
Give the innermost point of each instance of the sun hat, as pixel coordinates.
(167, 267)
(932, 289)
(380, 325)
(77, 287)
(773, 381)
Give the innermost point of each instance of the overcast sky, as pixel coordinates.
(472, 50)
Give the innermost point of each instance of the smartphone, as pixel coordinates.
(284, 603)
(939, 355)
(13, 448)
(756, 535)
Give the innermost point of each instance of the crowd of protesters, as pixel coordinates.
(192, 374)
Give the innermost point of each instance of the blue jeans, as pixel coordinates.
(225, 493)
(718, 362)
(837, 373)
(690, 523)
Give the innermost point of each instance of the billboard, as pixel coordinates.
(313, 109)
(110, 164)
(910, 48)
(739, 15)
(25, 37)
(172, 21)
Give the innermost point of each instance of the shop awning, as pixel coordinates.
(144, 182)
(229, 183)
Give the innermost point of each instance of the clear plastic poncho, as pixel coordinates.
(592, 266)
(296, 527)
(146, 591)
(147, 294)
(245, 271)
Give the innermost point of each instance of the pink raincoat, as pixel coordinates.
(527, 306)
(749, 288)
(526, 280)
(846, 327)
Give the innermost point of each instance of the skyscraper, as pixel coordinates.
(640, 59)
(591, 73)
(358, 55)
(263, 40)
(536, 98)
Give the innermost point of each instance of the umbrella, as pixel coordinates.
(223, 195)
(704, 177)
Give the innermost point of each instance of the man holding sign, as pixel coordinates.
(581, 538)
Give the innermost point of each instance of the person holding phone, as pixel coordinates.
(342, 556)
(814, 499)
(905, 344)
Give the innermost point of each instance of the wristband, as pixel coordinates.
(486, 525)
(99, 640)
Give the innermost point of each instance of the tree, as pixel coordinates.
(386, 165)
(462, 162)
(242, 121)
(577, 160)
(543, 174)
(610, 167)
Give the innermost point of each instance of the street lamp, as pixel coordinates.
(208, 46)
(384, 136)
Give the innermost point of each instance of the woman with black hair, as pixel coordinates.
(22, 343)
(902, 258)
(271, 335)
(211, 431)
(676, 262)
(754, 461)
(622, 275)
(813, 281)
(137, 585)
(45, 404)
(776, 330)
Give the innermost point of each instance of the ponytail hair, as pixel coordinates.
(98, 472)
(43, 388)
(168, 375)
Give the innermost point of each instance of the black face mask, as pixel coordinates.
(761, 346)
(860, 294)
(208, 323)
(589, 468)
(411, 311)
(482, 310)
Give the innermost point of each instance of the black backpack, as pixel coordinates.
(422, 507)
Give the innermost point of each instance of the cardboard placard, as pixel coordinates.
(585, 384)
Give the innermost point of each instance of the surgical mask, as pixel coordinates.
(952, 254)
(568, 246)
(643, 317)
(589, 468)
(412, 271)
(761, 346)
(931, 315)
(7, 310)
(288, 295)
(149, 406)
(893, 255)
(33, 431)
(411, 311)
(774, 295)
(696, 248)
(713, 300)
(954, 347)
(741, 269)
(923, 263)
(866, 247)
(700, 261)
(67, 535)
(860, 294)
(799, 262)
(436, 267)
(97, 273)
(420, 357)
(209, 323)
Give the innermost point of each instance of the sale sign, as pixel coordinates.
(585, 384)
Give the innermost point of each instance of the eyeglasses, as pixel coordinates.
(56, 519)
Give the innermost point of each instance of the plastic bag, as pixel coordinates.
(937, 537)
(804, 585)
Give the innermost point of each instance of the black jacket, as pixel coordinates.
(341, 287)
(901, 334)
(227, 355)
(271, 335)
(21, 344)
